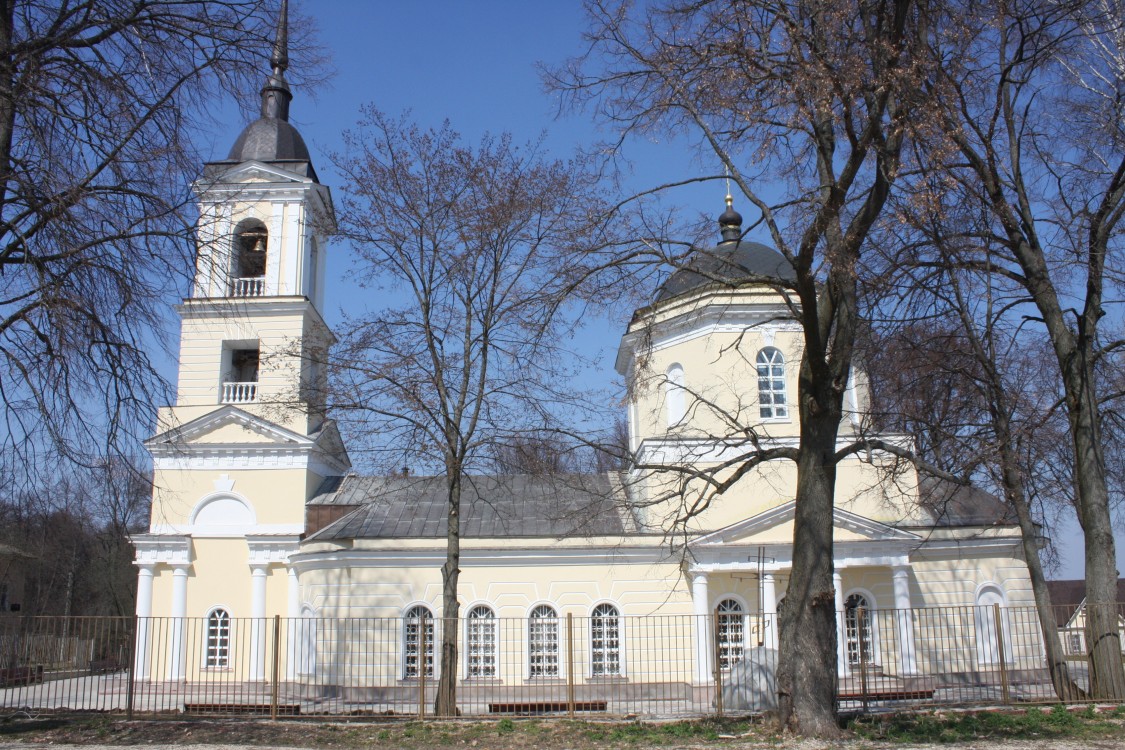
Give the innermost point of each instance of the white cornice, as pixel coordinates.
(873, 531)
(219, 531)
(672, 451)
(513, 556)
(704, 320)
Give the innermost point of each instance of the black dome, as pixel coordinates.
(728, 261)
(269, 139)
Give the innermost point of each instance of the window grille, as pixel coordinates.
(218, 639)
(605, 640)
(481, 639)
(772, 402)
(543, 642)
(417, 618)
(731, 632)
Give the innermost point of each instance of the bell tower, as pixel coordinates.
(247, 441)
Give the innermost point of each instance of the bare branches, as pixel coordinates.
(99, 102)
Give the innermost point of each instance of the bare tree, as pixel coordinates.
(1031, 128)
(99, 103)
(813, 100)
(463, 351)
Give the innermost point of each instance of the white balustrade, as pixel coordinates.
(240, 393)
(250, 286)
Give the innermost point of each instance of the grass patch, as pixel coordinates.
(1031, 724)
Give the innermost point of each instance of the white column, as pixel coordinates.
(144, 612)
(703, 627)
(769, 609)
(276, 283)
(176, 665)
(841, 626)
(292, 631)
(258, 576)
(905, 619)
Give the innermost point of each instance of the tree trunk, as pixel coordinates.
(1103, 639)
(806, 678)
(1065, 688)
(445, 704)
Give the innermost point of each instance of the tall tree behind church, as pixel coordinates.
(469, 253)
(808, 106)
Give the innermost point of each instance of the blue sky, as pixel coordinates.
(475, 63)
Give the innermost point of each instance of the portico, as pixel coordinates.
(748, 564)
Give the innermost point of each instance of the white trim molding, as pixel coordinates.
(153, 549)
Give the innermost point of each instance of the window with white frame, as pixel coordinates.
(772, 403)
(730, 631)
(605, 641)
(857, 630)
(217, 655)
(418, 625)
(480, 636)
(674, 395)
(543, 642)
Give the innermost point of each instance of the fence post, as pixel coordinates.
(860, 614)
(718, 673)
(1004, 691)
(131, 689)
(570, 664)
(276, 665)
(421, 668)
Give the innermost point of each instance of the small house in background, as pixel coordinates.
(13, 577)
(1068, 599)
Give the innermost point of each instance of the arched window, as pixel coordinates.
(605, 640)
(417, 625)
(731, 632)
(248, 264)
(771, 384)
(857, 629)
(674, 395)
(480, 636)
(218, 639)
(543, 642)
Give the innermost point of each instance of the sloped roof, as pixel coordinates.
(728, 262)
(491, 506)
(952, 504)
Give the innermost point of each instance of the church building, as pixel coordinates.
(256, 511)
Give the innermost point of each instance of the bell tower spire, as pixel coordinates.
(275, 94)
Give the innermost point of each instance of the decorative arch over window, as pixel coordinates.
(248, 259)
(217, 653)
(858, 629)
(543, 642)
(731, 631)
(772, 401)
(223, 509)
(605, 641)
(675, 394)
(418, 624)
(480, 636)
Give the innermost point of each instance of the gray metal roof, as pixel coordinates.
(727, 263)
(952, 504)
(491, 506)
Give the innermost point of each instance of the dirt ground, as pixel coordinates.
(25, 733)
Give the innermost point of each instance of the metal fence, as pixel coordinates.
(655, 666)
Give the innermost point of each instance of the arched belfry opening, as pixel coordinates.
(248, 273)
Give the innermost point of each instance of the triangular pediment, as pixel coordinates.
(228, 425)
(775, 526)
(258, 171)
(328, 440)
